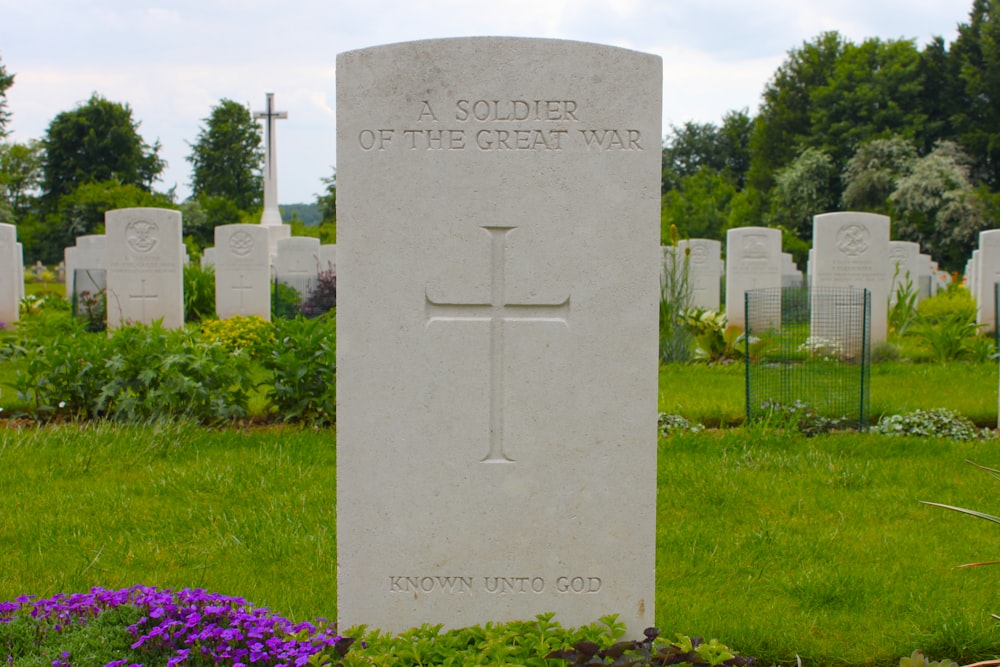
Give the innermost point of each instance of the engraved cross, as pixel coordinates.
(142, 298)
(497, 311)
(241, 290)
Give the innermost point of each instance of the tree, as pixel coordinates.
(97, 142)
(327, 202)
(936, 205)
(784, 121)
(803, 189)
(20, 176)
(873, 172)
(874, 91)
(226, 158)
(6, 81)
(976, 54)
(698, 207)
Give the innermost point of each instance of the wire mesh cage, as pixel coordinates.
(809, 348)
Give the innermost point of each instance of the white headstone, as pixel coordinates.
(704, 271)
(87, 267)
(987, 276)
(790, 274)
(904, 269)
(328, 257)
(753, 261)
(242, 271)
(498, 202)
(297, 263)
(852, 250)
(208, 258)
(145, 267)
(11, 274)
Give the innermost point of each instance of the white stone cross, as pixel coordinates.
(496, 312)
(272, 214)
(142, 297)
(241, 290)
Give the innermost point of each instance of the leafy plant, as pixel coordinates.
(938, 423)
(716, 340)
(675, 299)
(285, 300)
(902, 303)
(250, 333)
(199, 292)
(801, 417)
(918, 659)
(302, 362)
(651, 650)
(138, 373)
(323, 298)
(93, 308)
(670, 424)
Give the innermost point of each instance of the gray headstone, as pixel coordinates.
(753, 261)
(242, 271)
(852, 250)
(145, 267)
(498, 201)
(11, 274)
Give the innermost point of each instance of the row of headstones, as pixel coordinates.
(982, 274)
(139, 262)
(850, 250)
(245, 267)
(11, 274)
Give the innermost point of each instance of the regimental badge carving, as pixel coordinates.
(142, 235)
(699, 253)
(241, 243)
(755, 247)
(853, 240)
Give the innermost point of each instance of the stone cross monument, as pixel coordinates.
(271, 217)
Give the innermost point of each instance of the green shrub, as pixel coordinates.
(675, 298)
(138, 373)
(199, 292)
(250, 333)
(939, 423)
(944, 305)
(285, 301)
(302, 363)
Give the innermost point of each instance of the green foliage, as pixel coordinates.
(669, 424)
(199, 292)
(327, 201)
(873, 172)
(252, 334)
(302, 362)
(918, 659)
(323, 297)
(946, 325)
(97, 141)
(803, 189)
(675, 299)
(227, 155)
(902, 303)
(285, 300)
(652, 650)
(6, 81)
(137, 373)
(100, 640)
(715, 340)
(800, 417)
(82, 210)
(204, 213)
(20, 176)
(939, 423)
(92, 309)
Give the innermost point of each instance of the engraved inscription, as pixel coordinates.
(496, 312)
(142, 297)
(570, 585)
(501, 125)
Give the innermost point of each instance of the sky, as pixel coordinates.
(171, 61)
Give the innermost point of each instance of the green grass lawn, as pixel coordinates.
(776, 544)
